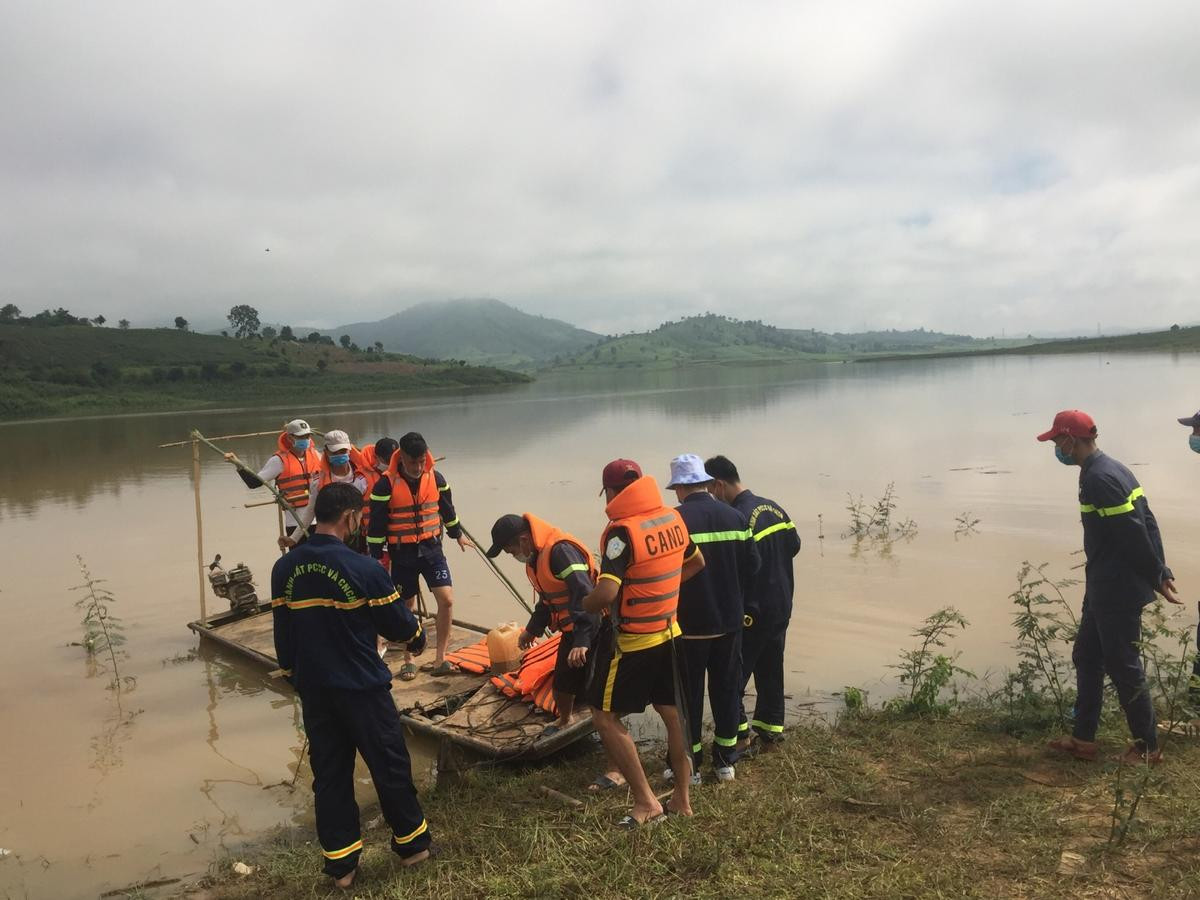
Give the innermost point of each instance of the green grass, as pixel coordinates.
(1175, 340)
(877, 806)
(73, 370)
(711, 338)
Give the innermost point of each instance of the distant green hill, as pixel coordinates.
(713, 338)
(1175, 338)
(73, 369)
(478, 331)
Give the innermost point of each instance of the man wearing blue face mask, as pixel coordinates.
(1125, 567)
(1194, 438)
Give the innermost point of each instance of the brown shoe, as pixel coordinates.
(1072, 746)
(1135, 756)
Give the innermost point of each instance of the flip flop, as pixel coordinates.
(445, 667)
(408, 672)
(550, 730)
(629, 823)
(604, 783)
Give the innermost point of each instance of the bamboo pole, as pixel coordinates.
(259, 503)
(241, 466)
(199, 530)
(220, 437)
(279, 515)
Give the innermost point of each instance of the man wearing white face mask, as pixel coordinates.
(562, 571)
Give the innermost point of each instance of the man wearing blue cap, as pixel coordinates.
(711, 609)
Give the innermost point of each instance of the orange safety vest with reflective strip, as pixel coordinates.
(472, 658)
(548, 583)
(364, 461)
(649, 594)
(412, 519)
(293, 482)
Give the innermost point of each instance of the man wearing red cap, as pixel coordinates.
(646, 555)
(1125, 567)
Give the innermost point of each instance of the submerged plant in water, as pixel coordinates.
(877, 522)
(927, 671)
(965, 525)
(103, 632)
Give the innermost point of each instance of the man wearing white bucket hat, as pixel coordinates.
(294, 468)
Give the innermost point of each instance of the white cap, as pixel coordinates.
(688, 469)
(297, 428)
(337, 440)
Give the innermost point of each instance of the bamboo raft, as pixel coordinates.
(463, 710)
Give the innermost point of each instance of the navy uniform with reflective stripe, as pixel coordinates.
(329, 603)
(768, 609)
(711, 611)
(1125, 563)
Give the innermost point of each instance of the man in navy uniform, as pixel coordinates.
(768, 600)
(1125, 567)
(329, 605)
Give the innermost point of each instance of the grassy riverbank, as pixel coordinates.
(880, 805)
(73, 370)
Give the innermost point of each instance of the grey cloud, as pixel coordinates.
(962, 166)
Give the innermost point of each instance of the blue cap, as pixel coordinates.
(688, 469)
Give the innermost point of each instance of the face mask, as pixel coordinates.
(1194, 442)
(1065, 458)
(300, 443)
(339, 459)
(522, 558)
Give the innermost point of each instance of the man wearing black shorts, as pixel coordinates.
(410, 507)
(646, 555)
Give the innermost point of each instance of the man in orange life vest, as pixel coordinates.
(335, 468)
(562, 571)
(294, 468)
(410, 506)
(646, 555)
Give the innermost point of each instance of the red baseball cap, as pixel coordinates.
(619, 473)
(1071, 422)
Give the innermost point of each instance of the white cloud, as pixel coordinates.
(963, 166)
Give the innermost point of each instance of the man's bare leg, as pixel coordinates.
(566, 705)
(444, 596)
(624, 755)
(681, 760)
(411, 603)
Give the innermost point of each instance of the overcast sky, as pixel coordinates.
(956, 165)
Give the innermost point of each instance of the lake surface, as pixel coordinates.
(93, 796)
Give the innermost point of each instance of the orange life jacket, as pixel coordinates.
(294, 480)
(364, 460)
(472, 658)
(545, 581)
(412, 519)
(649, 594)
(534, 680)
(326, 475)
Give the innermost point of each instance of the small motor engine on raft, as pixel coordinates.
(235, 585)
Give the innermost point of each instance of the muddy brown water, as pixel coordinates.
(94, 796)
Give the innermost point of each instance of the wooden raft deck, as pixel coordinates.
(464, 709)
(253, 637)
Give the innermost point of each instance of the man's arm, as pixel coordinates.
(446, 507)
(538, 622)
(381, 500)
(391, 617)
(603, 595)
(571, 567)
(693, 562)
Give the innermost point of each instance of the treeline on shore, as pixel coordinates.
(61, 364)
